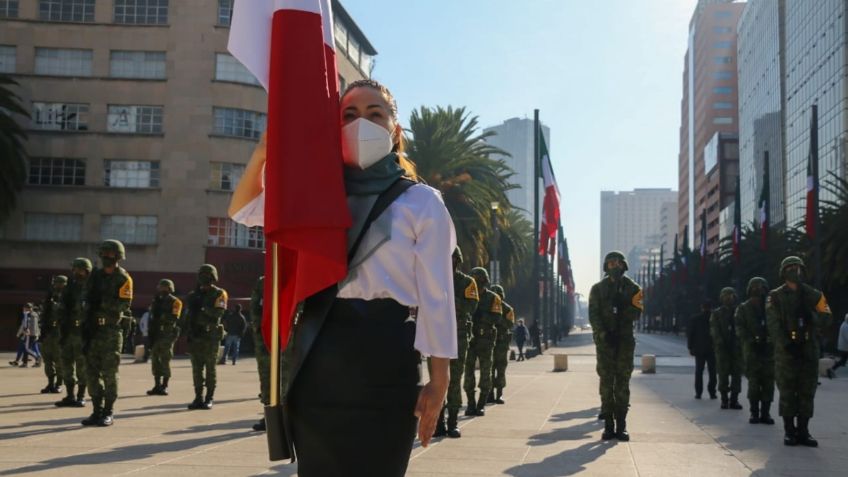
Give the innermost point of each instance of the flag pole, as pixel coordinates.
(536, 287)
(814, 148)
(278, 444)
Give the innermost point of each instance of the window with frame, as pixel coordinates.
(63, 62)
(141, 12)
(225, 12)
(130, 174)
(137, 64)
(66, 10)
(723, 105)
(723, 60)
(722, 29)
(723, 120)
(56, 171)
(137, 229)
(60, 116)
(239, 122)
(223, 232)
(8, 58)
(225, 175)
(53, 227)
(723, 44)
(8, 8)
(723, 75)
(723, 90)
(134, 119)
(228, 68)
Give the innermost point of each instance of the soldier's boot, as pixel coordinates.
(734, 401)
(724, 403)
(94, 418)
(621, 427)
(499, 397)
(157, 383)
(260, 426)
(105, 417)
(765, 416)
(790, 437)
(207, 403)
(68, 400)
(481, 405)
(58, 387)
(441, 428)
(609, 428)
(804, 437)
(49, 387)
(80, 402)
(453, 430)
(470, 409)
(198, 399)
(755, 412)
(163, 390)
(491, 398)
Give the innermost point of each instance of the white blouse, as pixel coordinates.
(405, 256)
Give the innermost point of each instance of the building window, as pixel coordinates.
(137, 64)
(60, 116)
(723, 44)
(62, 62)
(227, 68)
(8, 8)
(131, 174)
(723, 90)
(225, 12)
(51, 171)
(53, 227)
(722, 120)
(225, 175)
(239, 122)
(134, 119)
(723, 105)
(722, 29)
(138, 229)
(723, 75)
(66, 10)
(723, 60)
(342, 84)
(340, 34)
(8, 57)
(223, 232)
(141, 12)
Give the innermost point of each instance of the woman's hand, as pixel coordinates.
(432, 398)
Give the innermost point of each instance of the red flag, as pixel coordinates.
(288, 45)
(811, 219)
(550, 205)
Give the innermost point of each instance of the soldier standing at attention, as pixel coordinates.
(796, 313)
(615, 303)
(71, 322)
(728, 353)
(108, 299)
(482, 343)
(501, 354)
(263, 359)
(163, 331)
(51, 350)
(206, 305)
(757, 349)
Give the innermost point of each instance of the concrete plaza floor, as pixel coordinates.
(548, 427)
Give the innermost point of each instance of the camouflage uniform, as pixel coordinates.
(614, 305)
(108, 298)
(795, 318)
(163, 331)
(263, 358)
(728, 353)
(757, 349)
(72, 320)
(501, 354)
(206, 305)
(51, 349)
(482, 344)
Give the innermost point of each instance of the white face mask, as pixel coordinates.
(364, 143)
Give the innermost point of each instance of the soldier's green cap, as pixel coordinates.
(457, 254)
(60, 279)
(499, 291)
(754, 281)
(167, 283)
(113, 245)
(480, 272)
(615, 254)
(82, 262)
(727, 291)
(210, 269)
(789, 261)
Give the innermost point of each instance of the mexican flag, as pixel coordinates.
(550, 205)
(812, 215)
(737, 223)
(764, 205)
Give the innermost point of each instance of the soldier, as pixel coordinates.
(501, 354)
(263, 358)
(615, 303)
(108, 299)
(728, 353)
(206, 305)
(71, 323)
(796, 313)
(163, 331)
(482, 343)
(51, 350)
(758, 350)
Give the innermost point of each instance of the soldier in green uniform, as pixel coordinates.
(615, 303)
(206, 305)
(263, 358)
(71, 323)
(108, 299)
(728, 352)
(796, 313)
(482, 343)
(757, 349)
(163, 330)
(51, 349)
(501, 354)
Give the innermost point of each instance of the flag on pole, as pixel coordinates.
(812, 217)
(675, 264)
(550, 205)
(565, 264)
(288, 45)
(684, 255)
(662, 257)
(764, 204)
(737, 223)
(703, 250)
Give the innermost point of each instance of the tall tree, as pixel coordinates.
(13, 156)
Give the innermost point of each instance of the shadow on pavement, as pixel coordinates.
(584, 414)
(282, 470)
(568, 462)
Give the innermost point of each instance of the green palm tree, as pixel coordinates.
(13, 157)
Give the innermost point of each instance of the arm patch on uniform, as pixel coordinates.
(471, 291)
(496, 305)
(221, 301)
(177, 307)
(637, 300)
(126, 289)
(822, 306)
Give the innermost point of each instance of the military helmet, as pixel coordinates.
(727, 291)
(457, 254)
(499, 291)
(480, 272)
(756, 280)
(112, 245)
(167, 283)
(210, 269)
(81, 262)
(618, 255)
(60, 279)
(789, 261)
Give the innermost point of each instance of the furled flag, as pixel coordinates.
(565, 263)
(737, 224)
(764, 205)
(812, 218)
(684, 255)
(550, 205)
(703, 250)
(288, 45)
(675, 263)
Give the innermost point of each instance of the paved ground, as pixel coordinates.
(547, 428)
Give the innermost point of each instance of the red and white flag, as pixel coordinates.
(550, 205)
(288, 45)
(811, 219)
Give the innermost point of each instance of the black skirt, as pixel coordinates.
(352, 400)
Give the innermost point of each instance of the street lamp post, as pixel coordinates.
(494, 262)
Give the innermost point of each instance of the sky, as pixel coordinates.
(606, 76)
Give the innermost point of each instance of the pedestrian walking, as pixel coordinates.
(520, 334)
(757, 350)
(28, 326)
(728, 351)
(164, 316)
(235, 325)
(536, 336)
(841, 347)
(700, 344)
(206, 306)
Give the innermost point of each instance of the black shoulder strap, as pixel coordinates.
(384, 200)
